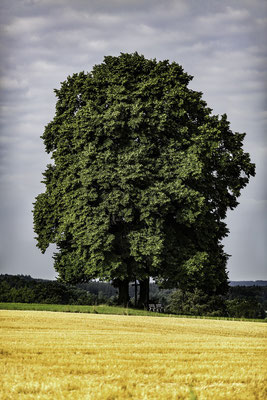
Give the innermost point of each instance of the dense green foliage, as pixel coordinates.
(142, 177)
(239, 302)
(247, 302)
(28, 290)
(196, 303)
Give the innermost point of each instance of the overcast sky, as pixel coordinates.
(222, 43)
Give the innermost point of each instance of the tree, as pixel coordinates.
(196, 302)
(245, 308)
(141, 180)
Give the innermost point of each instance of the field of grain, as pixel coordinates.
(46, 355)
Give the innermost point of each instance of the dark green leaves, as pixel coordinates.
(143, 175)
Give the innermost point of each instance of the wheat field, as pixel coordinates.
(46, 355)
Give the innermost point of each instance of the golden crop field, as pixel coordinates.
(46, 355)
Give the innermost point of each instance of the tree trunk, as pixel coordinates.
(144, 293)
(123, 286)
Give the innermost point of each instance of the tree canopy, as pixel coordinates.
(141, 180)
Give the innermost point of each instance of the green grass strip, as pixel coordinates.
(104, 309)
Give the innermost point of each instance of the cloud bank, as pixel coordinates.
(220, 43)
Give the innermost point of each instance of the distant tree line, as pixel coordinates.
(248, 283)
(24, 289)
(239, 302)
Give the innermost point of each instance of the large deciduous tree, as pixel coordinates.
(141, 180)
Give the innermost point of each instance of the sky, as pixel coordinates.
(222, 43)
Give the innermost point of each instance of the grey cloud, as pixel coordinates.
(221, 43)
(246, 222)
